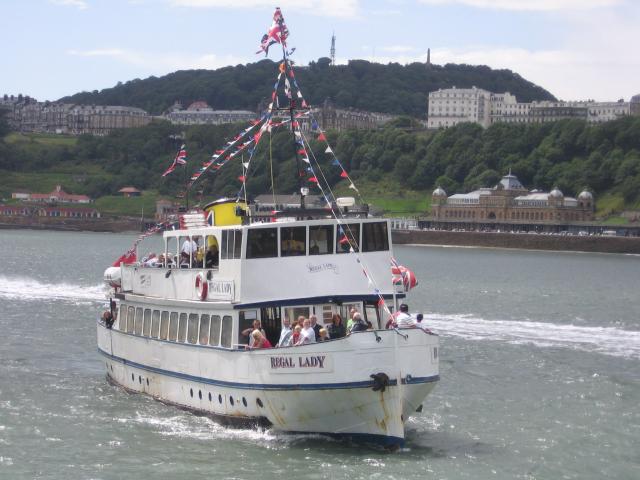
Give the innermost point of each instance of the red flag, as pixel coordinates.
(302, 151)
(126, 258)
(242, 178)
(313, 179)
(322, 138)
(344, 174)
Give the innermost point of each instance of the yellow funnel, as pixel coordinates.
(225, 211)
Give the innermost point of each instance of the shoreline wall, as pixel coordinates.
(599, 244)
(104, 224)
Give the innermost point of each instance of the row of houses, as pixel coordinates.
(48, 211)
(450, 106)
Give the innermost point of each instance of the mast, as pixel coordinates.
(292, 107)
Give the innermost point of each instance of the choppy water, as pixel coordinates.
(540, 369)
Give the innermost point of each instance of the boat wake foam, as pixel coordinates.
(203, 428)
(28, 289)
(605, 340)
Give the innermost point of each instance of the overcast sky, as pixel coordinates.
(576, 49)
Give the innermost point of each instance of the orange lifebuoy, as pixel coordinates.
(202, 286)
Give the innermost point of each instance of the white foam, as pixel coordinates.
(605, 340)
(202, 428)
(29, 289)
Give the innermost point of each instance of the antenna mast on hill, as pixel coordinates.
(333, 49)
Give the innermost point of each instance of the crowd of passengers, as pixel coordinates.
(304, 331)
(191, 255)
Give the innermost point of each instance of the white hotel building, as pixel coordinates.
(448, 107)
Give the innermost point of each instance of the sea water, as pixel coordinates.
(540, 376)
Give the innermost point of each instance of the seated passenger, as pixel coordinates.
(336, 327)
(421, 324)
(359, 324)
(211, 258)
(259, 340)
(295, 336)
(248, 332)
(324, 335)
(313, 320)
(285, 333)
(149, 260)
(307, 335)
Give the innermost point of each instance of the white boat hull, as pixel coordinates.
(275, 387)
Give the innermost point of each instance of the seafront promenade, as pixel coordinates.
(591, 243)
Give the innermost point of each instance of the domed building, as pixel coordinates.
(511, 203)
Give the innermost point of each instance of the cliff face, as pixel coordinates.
(510, 240)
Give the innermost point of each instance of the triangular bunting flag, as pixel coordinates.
(322, 138)
(344, 174)
(328, 150)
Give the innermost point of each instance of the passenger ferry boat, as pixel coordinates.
(177, 333)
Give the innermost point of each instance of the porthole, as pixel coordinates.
(209, 396)
(133, 378)
(107, 365)
(112, 367)
(200, 394)
(220, 399)
(231, 401)
(244, 401)
(147, 382)
(140, 379)
(191, 392)
(259, 402)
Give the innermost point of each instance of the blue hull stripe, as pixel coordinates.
(262, 386)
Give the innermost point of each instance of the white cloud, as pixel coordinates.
(530, 5)
(160, 63)
(81, 4)
(327, 8)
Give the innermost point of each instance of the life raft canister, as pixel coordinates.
(202, 286)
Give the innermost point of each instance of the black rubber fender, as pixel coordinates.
(380, 381)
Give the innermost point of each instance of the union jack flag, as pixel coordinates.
(181, 159)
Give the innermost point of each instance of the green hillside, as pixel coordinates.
(392, 88)
(393, 168)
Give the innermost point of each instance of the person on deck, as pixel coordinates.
(314, 324)
(285, 333)
(247, 332)
(359, 325)
(307, 335)
(295, 336)
(324, 335)
(352, 312)
(188, 251)
(259, 340)
(404, 320)
(336, 327)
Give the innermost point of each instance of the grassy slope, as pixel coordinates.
(119, 205)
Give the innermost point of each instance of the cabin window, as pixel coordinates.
(231, 244)
(191, 252)
(245, 320)
(293, 241)
(192, 332)
(173, 327)
(292, 313)
(348, 236)
(182, 328)
(203, 338)
(130, 319)
(171, 251)
(320, 240)
(164, 326)
(155, 323)
(227, 326)
(237, 244)
(146, 328)
(262, 243)
(214, 333)
(212, 254)
(122, 318)
(375, 237)
(138, 322)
